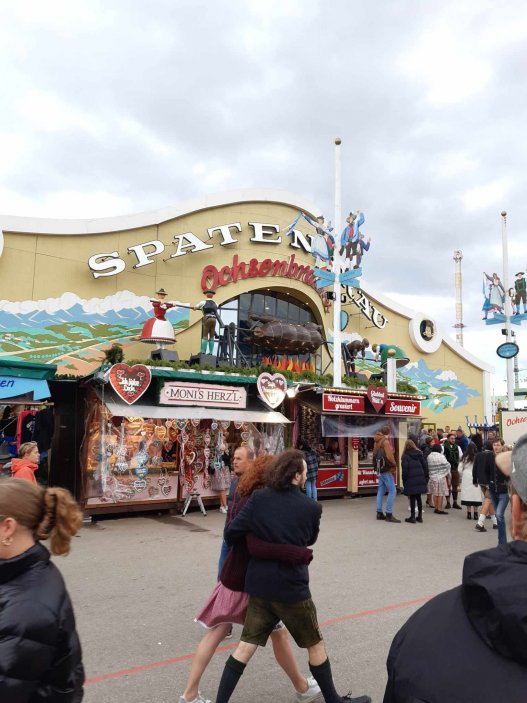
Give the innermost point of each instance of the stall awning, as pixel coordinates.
(118, 408)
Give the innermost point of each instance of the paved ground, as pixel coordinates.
(137, 583)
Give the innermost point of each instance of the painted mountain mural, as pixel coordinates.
(74, 333)
(442, 385)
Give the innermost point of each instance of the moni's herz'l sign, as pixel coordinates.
(205, 395)
(111, 263)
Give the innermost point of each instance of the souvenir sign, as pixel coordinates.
(272, 388)
(130, 382)
(377, 397)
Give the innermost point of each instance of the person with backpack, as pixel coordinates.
(415, 479)
(384, 463)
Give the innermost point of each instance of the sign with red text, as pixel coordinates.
(203, 394)
(513, 425)
(341, 403)
(402, 407)
(129, 382)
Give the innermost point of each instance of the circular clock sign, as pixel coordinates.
(508, 350)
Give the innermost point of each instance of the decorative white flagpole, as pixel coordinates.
(337, 350)
(508, 310)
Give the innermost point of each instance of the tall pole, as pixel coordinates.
(337, 350)
(458, 282)
(508, 310)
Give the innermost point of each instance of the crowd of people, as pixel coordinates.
(452, 470)
(263, 582)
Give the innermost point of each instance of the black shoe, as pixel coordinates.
(419, 519)
(440, 512)
(469, 516)
(494, 527)
(381, 516)
(412, 520)
(455, 506)
(390, 518)
(348, 698)
(447, 506)
(480, 528)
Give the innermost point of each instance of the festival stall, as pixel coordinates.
(341, 425)
(155, 436)
(26, 410)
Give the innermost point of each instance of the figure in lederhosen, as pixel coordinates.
(158, 330)
(210, 316)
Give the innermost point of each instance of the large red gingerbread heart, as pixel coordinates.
(377, 397)
(272, 388)
(130, 382)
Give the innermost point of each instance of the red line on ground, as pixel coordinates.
(227, 647)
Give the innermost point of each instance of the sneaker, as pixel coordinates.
(313, 692)
(494, 527)
(199, 699)
(348, 698)
(228, 635)
(480, 528)
(223, 510)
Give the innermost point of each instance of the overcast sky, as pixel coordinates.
(113, 107)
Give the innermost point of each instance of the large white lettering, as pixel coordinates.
(143, 259)
(300, 241)
(193, 243)
(358, 298)
(225, 232)
(111, 264)
(262, 232)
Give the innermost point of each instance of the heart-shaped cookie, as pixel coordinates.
(377, 397)
(190, 457)
(245, 436)
(165, 490)
(272, 388)
(140, 485)
(129, 382)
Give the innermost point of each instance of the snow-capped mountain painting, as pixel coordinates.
(73, 332)
(442, 385)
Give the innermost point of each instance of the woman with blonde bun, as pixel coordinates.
(40, 653)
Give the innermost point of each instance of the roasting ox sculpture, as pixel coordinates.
(286, 337)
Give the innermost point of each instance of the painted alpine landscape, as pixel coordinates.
(74, 333)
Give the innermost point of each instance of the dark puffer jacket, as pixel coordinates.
(470, 643)
(40, 653)
(415, 473)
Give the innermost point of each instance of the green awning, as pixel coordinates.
(24, 369)
(200, 376)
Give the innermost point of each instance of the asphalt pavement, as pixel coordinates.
(137, 583)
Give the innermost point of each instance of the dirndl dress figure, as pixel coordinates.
(158, 330)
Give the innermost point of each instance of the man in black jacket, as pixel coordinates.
(451, 451)
(484, 466)
(280, 513)
(469, 644)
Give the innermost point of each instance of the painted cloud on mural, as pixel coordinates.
(73, 332)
